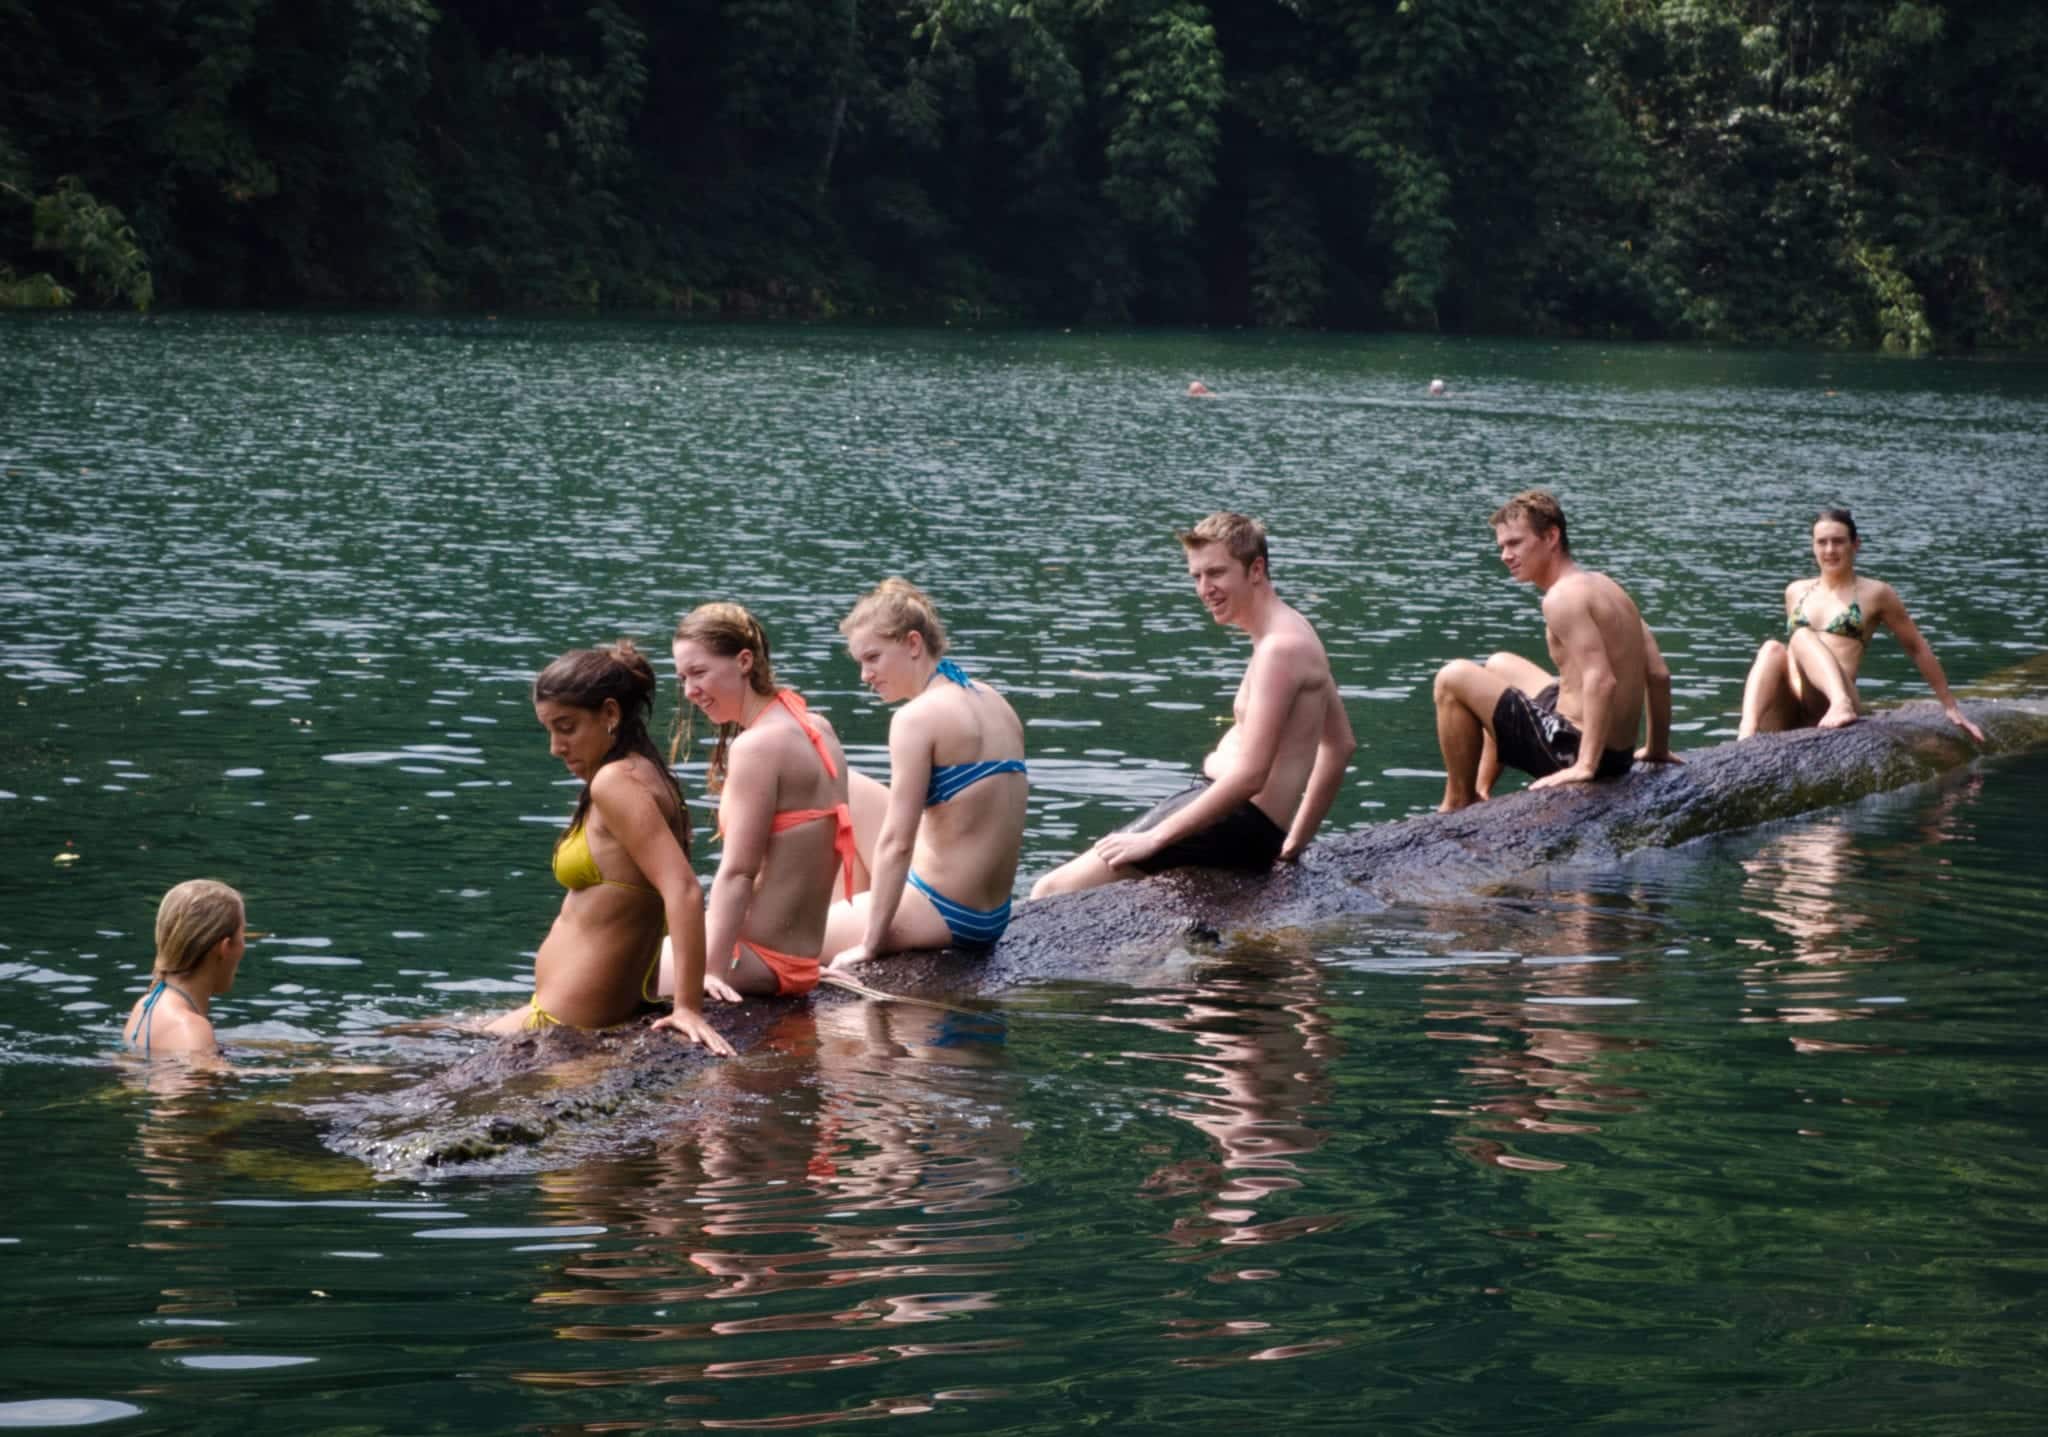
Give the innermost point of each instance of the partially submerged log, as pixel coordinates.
(555, 1098)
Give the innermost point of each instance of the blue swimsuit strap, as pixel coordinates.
(149, 1003)
(948, 779)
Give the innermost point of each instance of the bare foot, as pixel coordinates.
(1448, 807)
(1837, 716)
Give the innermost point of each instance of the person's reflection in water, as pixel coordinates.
(1537, 1058)
(1791, 883)
(1797, 883)
(188, 1119)
(184, 1116)
(862, 1109)
(1262, 1046)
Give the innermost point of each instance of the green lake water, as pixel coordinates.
(1745, 1137)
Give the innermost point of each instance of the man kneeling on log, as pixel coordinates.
(1576, 726)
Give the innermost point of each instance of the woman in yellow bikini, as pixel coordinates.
(781, 780)
(1809, 680)
(624, 858)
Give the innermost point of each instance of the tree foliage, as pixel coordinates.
(1862, 172)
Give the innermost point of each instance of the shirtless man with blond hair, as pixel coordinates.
(1580, 724)
(1273, 777)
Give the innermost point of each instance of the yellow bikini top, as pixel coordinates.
(576, 867)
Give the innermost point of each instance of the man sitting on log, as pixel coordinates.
(1274, 775)
(1578, 725)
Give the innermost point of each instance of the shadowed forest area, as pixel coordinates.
(1854, 172)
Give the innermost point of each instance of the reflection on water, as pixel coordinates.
(860, 1190)
(1810, 973)
(1252, 1069)
(1537, 1155)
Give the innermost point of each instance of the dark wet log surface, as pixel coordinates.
(558, 1098)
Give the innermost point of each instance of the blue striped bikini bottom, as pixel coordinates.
(970, 927)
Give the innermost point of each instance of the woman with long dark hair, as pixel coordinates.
(624, 857)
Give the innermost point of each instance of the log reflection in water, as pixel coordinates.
(857, 1191)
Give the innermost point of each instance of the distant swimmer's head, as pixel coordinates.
(1199, 390)
(1437, 389)
(721, 654)
(1835, 541)
(894, 634)
(595, 704)
(1531, 533)
(1226, 555)
(201, 921)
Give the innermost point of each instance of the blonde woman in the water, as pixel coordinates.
(201, 934)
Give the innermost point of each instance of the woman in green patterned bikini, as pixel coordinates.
(1809, 680)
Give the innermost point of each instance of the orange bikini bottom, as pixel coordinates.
(793, 975)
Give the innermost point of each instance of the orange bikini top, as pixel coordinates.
(842, 838)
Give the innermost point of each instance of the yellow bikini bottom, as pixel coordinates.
(539, 1018)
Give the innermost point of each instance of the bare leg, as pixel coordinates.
(506, 1024)
(1531, 679)
(665, 970)
(868, 802)
(1768, 703)
(846, 923)
(1083, 870)
(1489, 766)
(1819, 667)
(750, 976)
(1465, 697)
(915, 924)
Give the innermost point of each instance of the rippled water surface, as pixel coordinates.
(1744, 1137)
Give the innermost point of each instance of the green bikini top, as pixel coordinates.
(1849, 622)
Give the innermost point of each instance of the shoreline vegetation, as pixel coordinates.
(1863, 175)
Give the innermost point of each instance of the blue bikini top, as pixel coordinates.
(950, 779)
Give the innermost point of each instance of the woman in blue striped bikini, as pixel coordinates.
(946, 858)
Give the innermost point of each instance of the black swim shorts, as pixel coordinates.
(1243, 839)
(1535, 738)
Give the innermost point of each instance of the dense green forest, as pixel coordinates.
(1858, 172)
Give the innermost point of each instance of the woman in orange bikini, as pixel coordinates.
(1809, 680)
(624, 857)
(780, 776)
